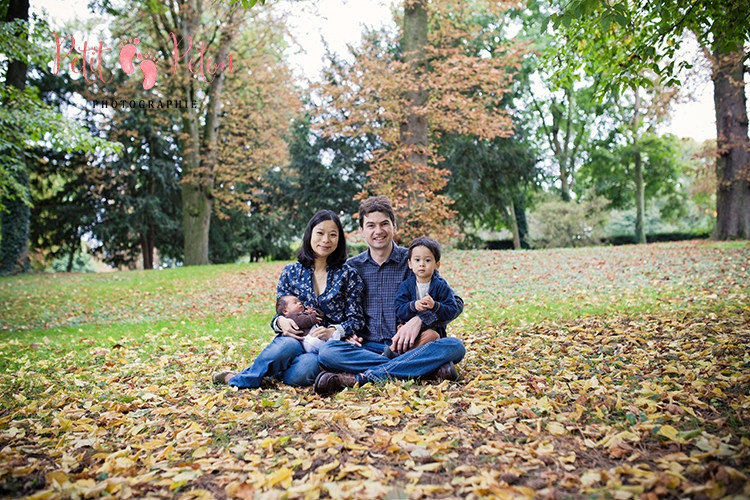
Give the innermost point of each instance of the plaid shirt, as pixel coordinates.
(379, 297)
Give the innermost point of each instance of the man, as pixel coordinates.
(383, 267)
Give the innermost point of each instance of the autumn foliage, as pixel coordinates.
(598, 372)
(453, 87)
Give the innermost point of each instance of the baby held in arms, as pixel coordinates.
(307, 319)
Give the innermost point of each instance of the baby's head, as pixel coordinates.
(288, 304)
(424, 257)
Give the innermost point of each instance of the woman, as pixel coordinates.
(321, 279)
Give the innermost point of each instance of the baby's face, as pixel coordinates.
(293, 305)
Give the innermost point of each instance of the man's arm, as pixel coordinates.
(406, 337)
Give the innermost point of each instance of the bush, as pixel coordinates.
(355, 248)
(556, 223)
(629, 239)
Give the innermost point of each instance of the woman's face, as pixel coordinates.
(325, 238)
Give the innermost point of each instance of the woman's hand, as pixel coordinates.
(322, 333)
(289, 328)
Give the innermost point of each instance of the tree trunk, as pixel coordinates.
(196, 220)
(514, 226)
(200, 149)
(147, 247)
(14, 247)
(640, 203)
(414, 130)
(71, 259)
(519, 207)
(733, 145)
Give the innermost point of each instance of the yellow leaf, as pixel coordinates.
(58, 477)
(668, 432)
(590, 477)
(283, 476)
(186, 475)
(200, 452)
(44, 495)
(431, 467)
(243, 491)
(556, 429)
(325, 469)
(474, 410)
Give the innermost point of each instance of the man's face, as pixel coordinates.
(377, 230)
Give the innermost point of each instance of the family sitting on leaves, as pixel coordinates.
(378, 315)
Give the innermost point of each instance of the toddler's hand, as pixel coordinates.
(429, 302)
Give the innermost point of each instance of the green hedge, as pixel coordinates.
(623, 239)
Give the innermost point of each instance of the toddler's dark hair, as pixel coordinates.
(423, 241)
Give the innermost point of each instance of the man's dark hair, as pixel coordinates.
(423, 241)
(306, 255)
(376, 204)
(281, 305)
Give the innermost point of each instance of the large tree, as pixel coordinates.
(409, 88)
(647, 35)
(227, 67)
(14, 246)
(26, 123)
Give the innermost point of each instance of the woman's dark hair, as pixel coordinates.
(431, 245)
(306, 255)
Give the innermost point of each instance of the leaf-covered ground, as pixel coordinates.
(618, 372)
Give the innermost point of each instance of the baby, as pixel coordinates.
(307, 319)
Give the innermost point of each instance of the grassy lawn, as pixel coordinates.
(617, 372)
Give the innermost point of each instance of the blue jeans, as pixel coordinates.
(284, 359)
(369, 362)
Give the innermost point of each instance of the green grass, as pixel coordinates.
(508, 287)
(600, 340)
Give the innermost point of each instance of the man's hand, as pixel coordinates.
(289, 328)
(406, 336)
(354, 340)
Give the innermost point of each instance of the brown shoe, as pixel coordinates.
(327, 383)
(446, 372)
(221, 377)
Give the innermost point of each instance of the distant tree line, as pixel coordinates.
(468, 130)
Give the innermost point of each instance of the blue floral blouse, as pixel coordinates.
(341, 300)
